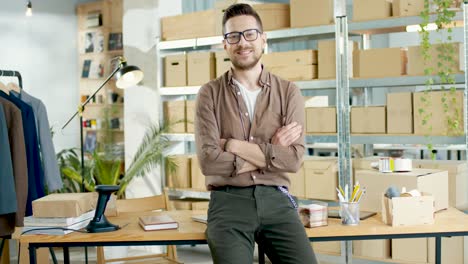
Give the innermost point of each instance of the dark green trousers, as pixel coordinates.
(240, 216)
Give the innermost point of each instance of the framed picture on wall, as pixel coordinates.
(115, 41)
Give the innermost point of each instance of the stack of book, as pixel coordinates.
(56, 225)
(157, 222)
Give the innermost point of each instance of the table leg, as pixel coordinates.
(52, 254)
(438, 245)
(86, 254)
(66, 255)
(347, 251)
(261, 254)
(32, 254)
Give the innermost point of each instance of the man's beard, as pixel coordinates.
(245, 66)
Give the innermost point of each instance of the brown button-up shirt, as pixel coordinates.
(221, 113)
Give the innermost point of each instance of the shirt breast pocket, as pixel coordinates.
(269, 124)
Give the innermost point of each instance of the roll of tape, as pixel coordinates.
(402, 165)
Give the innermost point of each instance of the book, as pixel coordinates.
(200, 218)
(90, 142)
(55, 230)
(57, 221)
(157, 222)
(115, 41)
(86, 66)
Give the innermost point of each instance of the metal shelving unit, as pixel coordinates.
(328, 31)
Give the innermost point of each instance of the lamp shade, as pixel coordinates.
(128, 76)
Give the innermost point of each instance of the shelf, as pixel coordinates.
(274, 34)
(398, 81)
(180, 137)
(331, 84)
(387, 139)
(394, 24)
(356, 139)
(183, 90)
(188, 194)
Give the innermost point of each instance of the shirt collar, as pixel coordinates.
(263, 81)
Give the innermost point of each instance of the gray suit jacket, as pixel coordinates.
(7, 180)
(49, 160)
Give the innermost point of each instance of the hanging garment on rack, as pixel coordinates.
(35, 173)
(20, 166)
(46, 146)
(7, 181)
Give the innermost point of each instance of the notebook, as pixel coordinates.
(200, 218)
(157, 222)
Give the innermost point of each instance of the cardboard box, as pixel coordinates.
(327, 59)
(434, 182)
(306, 13)
(410, 249)
(190, 116)
(180, 178)
(175, 70)
(180, 205)
(223, 62)
(407, 7)
(368, 120)
(369, 63)
(452, 250)
(321, 178)
(321, 120)
(273, 16)
(316, 101)
(297, 186)
(378, 248)
(416, 64)
(439, 119)
(197, 177)
(457, 179)
(295, 72)
(289, 58)
(174, 114)
(64, 204)
(364, 163)
(200, 205)
(371, 9)
(201, 68)
(400, 113)
(190, 25)
(331, 247)
(408, 211)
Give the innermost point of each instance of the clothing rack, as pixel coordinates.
(9, 73)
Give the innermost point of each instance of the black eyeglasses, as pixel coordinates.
(235, 37)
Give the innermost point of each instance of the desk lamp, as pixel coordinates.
(100, 223)
(127, 76)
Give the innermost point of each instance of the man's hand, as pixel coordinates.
(222, 144)
(286, 135)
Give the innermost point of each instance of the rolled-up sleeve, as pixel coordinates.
(213, 160)
(288, 159)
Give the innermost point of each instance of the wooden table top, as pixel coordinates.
(450, 220)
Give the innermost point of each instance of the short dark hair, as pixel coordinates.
(240, 10)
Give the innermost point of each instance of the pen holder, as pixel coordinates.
(349, 213)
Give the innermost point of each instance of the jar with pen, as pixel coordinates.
(349, 203)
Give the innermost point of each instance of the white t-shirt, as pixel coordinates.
(250, 98)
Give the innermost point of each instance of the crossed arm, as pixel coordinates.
(253, 154)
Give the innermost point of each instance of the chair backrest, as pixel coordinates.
(146, 204)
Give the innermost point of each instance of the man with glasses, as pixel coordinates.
(249, 135)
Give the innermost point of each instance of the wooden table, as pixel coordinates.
(449, 222)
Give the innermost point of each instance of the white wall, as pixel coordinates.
(43, 48)
(141, 27)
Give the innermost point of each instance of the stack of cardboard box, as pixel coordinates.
(180, 116)
(296, 65)
(187, 175)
